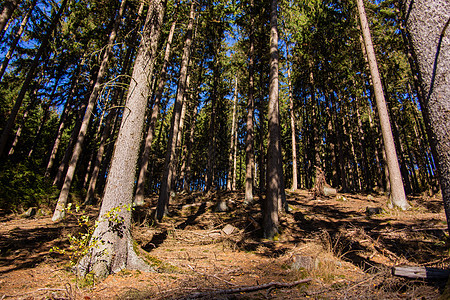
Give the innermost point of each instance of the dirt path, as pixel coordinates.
(346, 253)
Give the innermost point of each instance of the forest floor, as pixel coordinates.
(197, 252)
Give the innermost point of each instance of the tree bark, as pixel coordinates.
(8, 9)
(211, 161)
(170, 161)
(397, 196)
(293, 132)
(112, 247)
(231, 156)
(187, 168)
(140, 189)
(249, 141)
(270, 212)
(427, 23)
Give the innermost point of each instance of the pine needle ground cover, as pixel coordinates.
(198, 252)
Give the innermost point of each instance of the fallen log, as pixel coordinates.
(247, 289)
(421, 272)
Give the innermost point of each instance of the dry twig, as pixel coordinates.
(247, 289)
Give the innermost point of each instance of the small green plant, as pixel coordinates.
(80, 243)
(86, 281)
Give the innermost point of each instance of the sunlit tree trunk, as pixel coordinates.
(111, 243)
(397, 196)
(270, 211)
(427, 22)
(231, 156)
(107, 135)
(142, 178)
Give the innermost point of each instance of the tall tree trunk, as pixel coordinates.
(170, 161)
(58, 180)
(249, 141)
(178, 148)
(142, 178)
(8, 9)
(107, 134)
(99, 156)
(64, 194)
(113, 250)
(29, 77)
(16, 39)
(397, 196)
(293, 132)
(270, 212)
(262, 160)
(427, 22)
(211, 161)
(362, 146)
(231, 156)
(187, 166)
(187, 170)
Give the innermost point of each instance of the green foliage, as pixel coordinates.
(80, 243)
(22, 187)
(83, 241)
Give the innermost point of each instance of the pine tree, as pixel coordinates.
(112, 244)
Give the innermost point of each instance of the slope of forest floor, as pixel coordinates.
(346, 251)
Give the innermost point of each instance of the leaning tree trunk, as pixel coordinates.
(29, 77)
(398, 196)
(112, 246)
(140, 188)
(170, 160)
(427, 23)
(64, 194)
(270, 212)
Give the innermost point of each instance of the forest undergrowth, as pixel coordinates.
(340, 247)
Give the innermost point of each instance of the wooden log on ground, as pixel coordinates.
(421, 272)
(247, 289)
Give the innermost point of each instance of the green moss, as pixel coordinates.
(160, 265)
